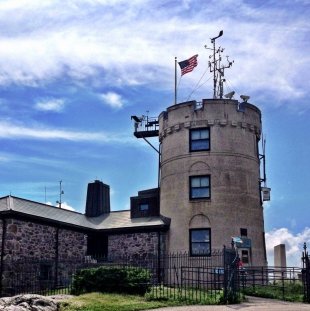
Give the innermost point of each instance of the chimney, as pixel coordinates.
(98, 199)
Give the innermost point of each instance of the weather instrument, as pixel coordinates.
(217, 67)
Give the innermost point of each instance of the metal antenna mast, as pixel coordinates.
(60, 194)
(218, 69)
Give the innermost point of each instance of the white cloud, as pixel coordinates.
(137, 41)
(293, 244)
(64, 205)
(13, 131)
(4, 159)
(113, 100)
(56, 105)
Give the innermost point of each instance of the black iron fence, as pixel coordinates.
(231, 275)
(274, 282)
(198, 279)
(177, 276)
(306, 273)
(39, 276)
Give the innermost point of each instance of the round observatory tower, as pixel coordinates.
(210, 178)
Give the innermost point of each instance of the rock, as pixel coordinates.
(28, 303)
(60, 297)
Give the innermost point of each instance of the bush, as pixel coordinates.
(128, 280)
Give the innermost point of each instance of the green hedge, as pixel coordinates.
(129, 280)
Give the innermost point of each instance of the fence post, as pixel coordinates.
(283, 288)
(225, 274)
(306, 274)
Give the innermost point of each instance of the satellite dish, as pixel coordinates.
(245, 98)
(230, 95)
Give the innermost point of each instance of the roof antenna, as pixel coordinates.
(218, 69)
(60, 194)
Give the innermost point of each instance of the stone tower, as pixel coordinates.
(210, 183)
(210, 178)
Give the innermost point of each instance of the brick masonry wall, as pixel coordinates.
(133, 244)
(25, 239)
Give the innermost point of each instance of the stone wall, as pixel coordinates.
(25, 239)
(30, 255)
(1, 231)
(133, 244)
(72, 244)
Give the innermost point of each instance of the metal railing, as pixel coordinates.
(306, 273)
(193, 279)
(146, 124)
(179, 276)
(273, 282)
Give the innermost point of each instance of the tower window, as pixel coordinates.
(244, 232)
(143, 207)
(199, 187)
(200, 242)
(200, 139)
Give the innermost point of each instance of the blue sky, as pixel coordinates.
(73, 72)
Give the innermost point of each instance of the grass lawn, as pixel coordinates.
(111, 302)
(289, 292)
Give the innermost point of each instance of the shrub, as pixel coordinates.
(128, 280)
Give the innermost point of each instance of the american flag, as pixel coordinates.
(188, 65)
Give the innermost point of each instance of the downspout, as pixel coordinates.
(158, 179)
(159, 167)
(159, 250)
(158, 233)
(2, 253)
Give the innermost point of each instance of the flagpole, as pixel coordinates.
(175, 80)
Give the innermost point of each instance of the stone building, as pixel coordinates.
(210, 178)
(42, 245)
(209, 192)
(32, 230)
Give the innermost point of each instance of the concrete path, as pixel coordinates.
(253, 304)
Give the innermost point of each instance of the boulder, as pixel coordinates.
(28, 302)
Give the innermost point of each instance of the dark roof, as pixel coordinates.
(111, 221)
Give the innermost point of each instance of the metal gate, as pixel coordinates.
(306, 273)
(231, 275)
